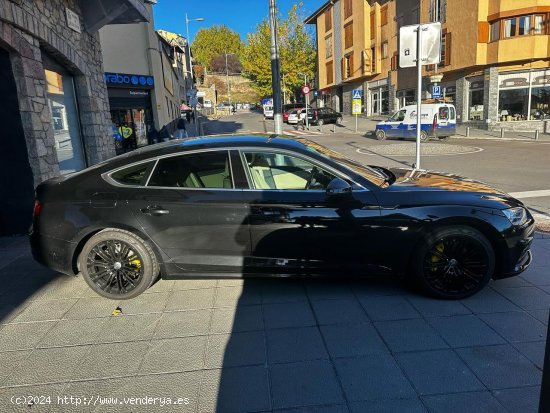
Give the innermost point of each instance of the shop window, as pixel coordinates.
(540, 103)
(348, 35)
(513, 104)
(476, 104)
(328, 20)
(328, 46)
(65, 116)
(385, 102)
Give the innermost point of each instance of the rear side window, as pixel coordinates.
(199, 170)
(444, 113)
(135, 175)
(452, 113)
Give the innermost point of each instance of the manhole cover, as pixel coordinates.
(426, 149)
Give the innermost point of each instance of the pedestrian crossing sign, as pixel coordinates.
(356, 94)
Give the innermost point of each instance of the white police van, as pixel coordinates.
(438, 120)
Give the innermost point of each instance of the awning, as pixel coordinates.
(184, 107)
(99, 13)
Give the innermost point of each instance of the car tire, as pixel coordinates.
(424, 136)
(380, 134)
(320, 122)
(454, 262)
(118, 264)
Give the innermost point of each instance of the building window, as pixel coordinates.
(348, 11)
(438, 11)
(373, 59)
(348, 35)
(509, 27)
(384, 50)
(539, 24)
(64, 115)
(515, 99)
(524, 26)
(348, 65)
(328, 46)
(495, 31)
(328, 20)
(384, 16)
(330, 72)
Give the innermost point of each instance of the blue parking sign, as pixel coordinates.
(436, 92)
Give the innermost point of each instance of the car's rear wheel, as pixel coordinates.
(424, 136)
(454, 262)
(117, 264)
(380, 134)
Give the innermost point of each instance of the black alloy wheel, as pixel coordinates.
(455, 263)
(117, 264)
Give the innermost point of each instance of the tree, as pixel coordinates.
(215, 41)
(296, 53)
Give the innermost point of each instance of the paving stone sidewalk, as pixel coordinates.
(279, 345)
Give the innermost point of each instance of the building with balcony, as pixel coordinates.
(54, 106)
(494, 57)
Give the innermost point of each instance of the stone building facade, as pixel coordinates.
(53, 101)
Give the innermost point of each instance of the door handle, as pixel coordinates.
(155, 210)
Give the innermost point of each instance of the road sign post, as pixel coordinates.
(436, 92)
(419, 44)
(305, 91)
(356, 104)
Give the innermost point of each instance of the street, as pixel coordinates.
(519, 167)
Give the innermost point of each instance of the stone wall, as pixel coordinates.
(26, 27)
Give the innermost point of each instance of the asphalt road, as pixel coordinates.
(519, 167)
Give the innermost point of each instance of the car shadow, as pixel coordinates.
(217, 127)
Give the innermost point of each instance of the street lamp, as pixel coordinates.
(187, 20)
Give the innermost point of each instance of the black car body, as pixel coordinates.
(215, 207)
(322, 116)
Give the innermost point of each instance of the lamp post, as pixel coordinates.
(187, 20)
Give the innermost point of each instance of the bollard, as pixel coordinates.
(467, 131)
(502, 133)
(334, 128)
(537, 135)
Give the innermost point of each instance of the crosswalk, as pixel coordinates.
(297, 132)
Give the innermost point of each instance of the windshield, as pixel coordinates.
(366, 172)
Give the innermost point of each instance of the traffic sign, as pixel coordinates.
(356, 94)
(356, 107)
(436, 92)
(305, 89)
(431, 44)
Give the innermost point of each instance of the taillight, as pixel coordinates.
(37, 209)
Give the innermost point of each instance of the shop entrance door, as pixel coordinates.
(16, 180)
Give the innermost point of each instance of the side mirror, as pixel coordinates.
(338, 187)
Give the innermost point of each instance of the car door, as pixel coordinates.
(294, 226)
(395, 125)
(192, 211)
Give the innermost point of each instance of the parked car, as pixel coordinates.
(287, 108)
(244, 206)
(324, 115)
(268, 112)
(437, 120)
(294, 116)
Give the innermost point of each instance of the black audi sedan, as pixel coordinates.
(254, 206)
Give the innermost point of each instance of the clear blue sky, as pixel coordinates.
(240, 15)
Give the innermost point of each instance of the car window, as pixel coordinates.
(133, 175)
(444, 113)
(270, 170)
(398, 116)
(199, 170)
(452, 113)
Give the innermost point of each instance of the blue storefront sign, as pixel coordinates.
(129, 80)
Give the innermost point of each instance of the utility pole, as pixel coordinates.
(275, 70)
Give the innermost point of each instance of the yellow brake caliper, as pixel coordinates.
(136, 263)
(437, 258)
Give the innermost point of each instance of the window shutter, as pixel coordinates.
(483, 32)
(343, 69)
(448, 49)
(372, 28)
(351, 66)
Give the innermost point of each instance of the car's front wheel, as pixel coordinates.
(380, 134)
(118, 264)
(454, 262)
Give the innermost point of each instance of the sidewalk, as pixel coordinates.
(270, 345)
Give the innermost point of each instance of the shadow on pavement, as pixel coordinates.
(220, 126)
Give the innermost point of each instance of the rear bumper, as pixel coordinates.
(53, 253)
